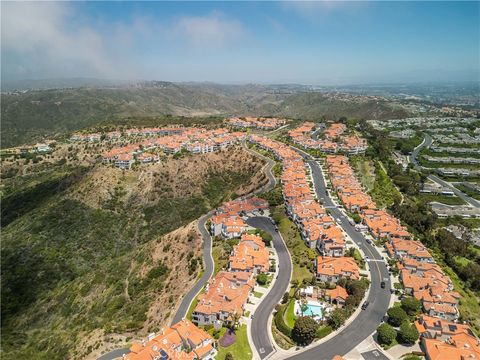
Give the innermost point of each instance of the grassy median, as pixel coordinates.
(302, 256)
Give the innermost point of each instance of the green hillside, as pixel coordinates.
(32, 115)
(83, 267)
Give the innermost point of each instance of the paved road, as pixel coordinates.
(268, 171)
(320, 128)
(374, 355)
(259, 326)
(207, 245)
(115, 354)
(207, 259)
(413, 159)
(207, 273)
(368, 320)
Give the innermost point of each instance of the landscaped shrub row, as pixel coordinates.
(280, 323)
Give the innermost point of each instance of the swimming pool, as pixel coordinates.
(313, 309)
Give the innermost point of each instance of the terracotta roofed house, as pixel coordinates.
(331, 269)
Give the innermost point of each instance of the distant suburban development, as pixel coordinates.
(360, 241)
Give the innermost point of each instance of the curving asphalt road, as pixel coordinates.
(115, 354)
(207, 258)
(207, 273)
(260, 326)
(427, 141)
(368, 320)
(207, 244)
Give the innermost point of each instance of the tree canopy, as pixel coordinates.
(386, 334)
(304, 330)
(396, 316)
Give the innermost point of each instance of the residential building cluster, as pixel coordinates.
(226, 294)
(225, 297)
(452, 160)
(317, 228)
(182, 341)
(422, 278)
(332, 269)
(454, 150)
(333, 140)
(444, 211)
(448, 172)
(256, 122)
(228, 220)
(250, 255)
(446, 340)
(171, 141)
(422, 122)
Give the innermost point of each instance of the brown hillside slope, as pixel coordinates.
(87, 267)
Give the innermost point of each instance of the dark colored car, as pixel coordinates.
(365, 305)
(382, 284)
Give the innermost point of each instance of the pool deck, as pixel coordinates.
(313, 303)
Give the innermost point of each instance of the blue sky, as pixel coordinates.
(239, 42)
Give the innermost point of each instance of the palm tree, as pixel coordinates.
(303, 306)
(235, 320)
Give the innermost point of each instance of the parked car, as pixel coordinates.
(382, 284)
(365, 305)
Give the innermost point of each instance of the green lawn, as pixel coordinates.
(469, 223)
(384, 192)
(448, 200)
(302, 256)
(469, 303)
(289, 315)
(462, 260)
(257, 294)
(192, 306)
(365, 170)
(359, 259)
(218, 257)
(240, 349)
(437, 164)
(474, 249)
(470, 192)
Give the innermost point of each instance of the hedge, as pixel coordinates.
(280, 323)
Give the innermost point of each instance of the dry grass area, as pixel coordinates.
(122, 249)
(161, 309)
(182, 177)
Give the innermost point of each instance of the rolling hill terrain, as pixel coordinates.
(92, 255)
(29, 116)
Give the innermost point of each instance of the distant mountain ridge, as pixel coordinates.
(32, 115)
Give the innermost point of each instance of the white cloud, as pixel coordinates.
(316, 10)
(52, 39)
(212, 30)
(38, 34)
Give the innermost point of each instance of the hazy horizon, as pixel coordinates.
(315, 43)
